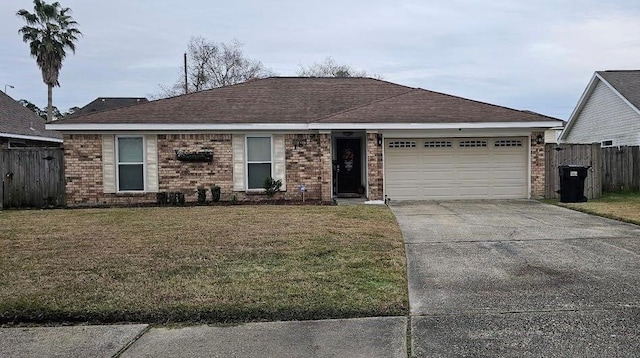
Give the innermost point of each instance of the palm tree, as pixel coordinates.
(49, 32)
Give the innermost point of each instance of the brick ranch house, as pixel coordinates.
(334, 136)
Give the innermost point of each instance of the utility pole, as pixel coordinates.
(186, 83)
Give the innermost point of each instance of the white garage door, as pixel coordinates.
(456, 168)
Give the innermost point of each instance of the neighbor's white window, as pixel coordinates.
(259, 161)
(130, 163)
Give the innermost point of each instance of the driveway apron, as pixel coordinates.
(520, 279)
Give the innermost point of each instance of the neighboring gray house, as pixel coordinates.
(20, 127)
(608, 111)
(106, 103)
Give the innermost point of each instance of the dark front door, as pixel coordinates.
(348, 170)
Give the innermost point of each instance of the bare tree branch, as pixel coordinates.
(330, 68)
(212, 65)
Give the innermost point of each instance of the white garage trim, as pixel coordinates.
(457, 168)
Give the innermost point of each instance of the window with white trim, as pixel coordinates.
(606, 143)
(259, 161)
(130, 163)
(402, 144)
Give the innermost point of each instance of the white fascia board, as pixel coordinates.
(30, 137)
(412, 126)
(173, 127)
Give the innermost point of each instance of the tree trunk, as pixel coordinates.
(49, 102)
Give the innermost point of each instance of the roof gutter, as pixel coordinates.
(409, 126)
(30, 137)
(292, 126)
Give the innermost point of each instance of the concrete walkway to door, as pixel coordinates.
(520, 279)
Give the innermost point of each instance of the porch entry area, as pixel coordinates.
(349, 158)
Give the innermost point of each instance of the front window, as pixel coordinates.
(130, 163)
(258, 161)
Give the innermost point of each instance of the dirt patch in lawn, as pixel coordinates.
(201, 264)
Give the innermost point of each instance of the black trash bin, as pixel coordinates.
(572, 183)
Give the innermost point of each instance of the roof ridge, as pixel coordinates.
(362, 105)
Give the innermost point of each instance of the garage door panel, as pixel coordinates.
(404, 177)
(511, 177)
(476, 168)
(443, 176)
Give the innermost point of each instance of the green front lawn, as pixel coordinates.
(204, 264)
(619, 206)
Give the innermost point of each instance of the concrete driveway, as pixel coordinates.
(520, 279)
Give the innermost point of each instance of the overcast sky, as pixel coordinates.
(537, 54)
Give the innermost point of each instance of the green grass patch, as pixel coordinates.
(624, 206)
(201, 264)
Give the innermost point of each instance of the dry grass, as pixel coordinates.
(211, 264)
(619, 206)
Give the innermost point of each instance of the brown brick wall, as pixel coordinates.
(327, 167)
(186, 177)
(309, 164)
(305, 166)
(537, 166)
(83, 169)
(374, 167)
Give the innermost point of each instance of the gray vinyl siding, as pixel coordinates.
(605, 116)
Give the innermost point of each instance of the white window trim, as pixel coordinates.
(603, 145)
(246, 161)
(144, 163)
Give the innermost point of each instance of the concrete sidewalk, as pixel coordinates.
(360, 337)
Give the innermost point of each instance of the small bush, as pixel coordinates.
(202, 195)
(162, 198)
(215, 193)
(173, 198)
(176, 198)
(271, 186)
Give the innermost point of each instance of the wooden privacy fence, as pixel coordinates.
(588, 155)
(620, 169)
(612, 168)
(32, 178)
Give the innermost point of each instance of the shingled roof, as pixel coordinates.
(310, 100)
(17, 121)
(627, 83)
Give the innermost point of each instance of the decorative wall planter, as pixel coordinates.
(199, 156)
